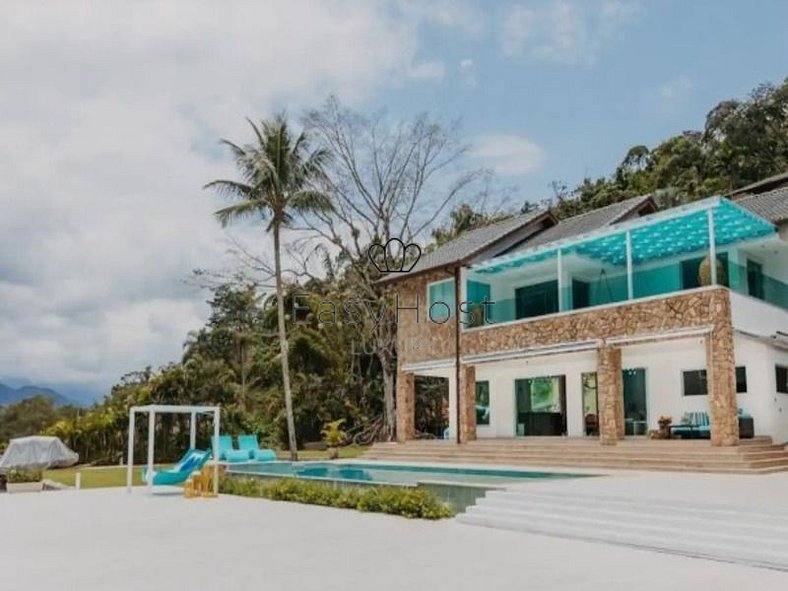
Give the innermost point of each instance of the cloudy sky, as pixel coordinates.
(110, 112)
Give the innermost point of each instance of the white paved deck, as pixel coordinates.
(104, 540)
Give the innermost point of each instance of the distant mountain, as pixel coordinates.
(9, 395)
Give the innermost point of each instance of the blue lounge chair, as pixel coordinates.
(227, 453)
(248, 443)
(192, 460)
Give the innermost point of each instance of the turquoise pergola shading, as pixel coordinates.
(705, 224)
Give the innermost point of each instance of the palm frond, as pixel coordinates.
(305, 202)
(242, 210)
(232, 189)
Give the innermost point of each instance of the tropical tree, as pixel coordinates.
(277, 173)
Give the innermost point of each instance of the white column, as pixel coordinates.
(130, 453)
(560, 268)
(712, 246)
(193, 431)
(216, 451)
(630, 283)
(151, 432)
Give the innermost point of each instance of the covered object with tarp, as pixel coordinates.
(37, 453)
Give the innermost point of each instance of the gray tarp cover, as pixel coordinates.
(37, 453)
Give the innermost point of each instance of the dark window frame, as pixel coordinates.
(703, 383)
(781, 378)
(489, 403)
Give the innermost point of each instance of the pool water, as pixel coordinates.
(399, 474)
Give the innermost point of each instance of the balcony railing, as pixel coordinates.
(604, 289)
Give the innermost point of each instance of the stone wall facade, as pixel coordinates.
(610, 392)
(707, 308)
(419, 338)
(406, 406)
(467, 403)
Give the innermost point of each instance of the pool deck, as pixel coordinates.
(106, 539)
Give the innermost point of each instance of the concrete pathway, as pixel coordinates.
(105, 540)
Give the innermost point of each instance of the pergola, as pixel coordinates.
(152, 410)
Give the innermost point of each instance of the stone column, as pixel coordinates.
(467, 400)
(610, 393)
(406, 406)
(721, 379)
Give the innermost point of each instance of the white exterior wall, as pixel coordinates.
(664, 363)
(502, 375)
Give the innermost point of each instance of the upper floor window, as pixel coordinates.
(781, 373)
(696, 382)
(441, 303)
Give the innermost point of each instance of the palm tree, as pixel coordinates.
(277, 172)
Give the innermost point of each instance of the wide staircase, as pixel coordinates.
(753, 456)
(741, 534)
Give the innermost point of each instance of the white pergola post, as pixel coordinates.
(193, 431)
(560, 268)
(216, 451)
(153, 409)
(630, 282)
(151, 433)
(130, 452)
(712, 246)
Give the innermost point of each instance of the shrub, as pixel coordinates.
(19, 475)
(333, 434)
(393, 500)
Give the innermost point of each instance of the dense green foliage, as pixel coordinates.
(393, 500)
(30, 416)
(741, 142)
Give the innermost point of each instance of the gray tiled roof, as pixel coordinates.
(585, 222)
(473, 242)
(772, 205)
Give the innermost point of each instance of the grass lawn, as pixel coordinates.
(345, 453)
(93, 477)
(106, 476)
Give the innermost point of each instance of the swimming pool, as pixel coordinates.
(459, 487)
(402, 474)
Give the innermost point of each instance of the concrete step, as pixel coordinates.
(601, 463)
(702, 548)
(723, 532)
(581, 454)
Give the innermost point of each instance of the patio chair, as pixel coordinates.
(227, 453)
(249, 444)
(694, 425)
(192, 461)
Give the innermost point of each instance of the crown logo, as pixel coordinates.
(394, 256)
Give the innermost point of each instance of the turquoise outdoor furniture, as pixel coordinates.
(227, 453)
(192, 460)
(249, 444)
(697, 425)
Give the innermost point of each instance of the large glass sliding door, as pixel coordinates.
(540, 405)
(590, 404)
(635, 409)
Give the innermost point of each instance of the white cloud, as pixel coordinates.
(453, 14)
(427, 70)
(676, 89)
(565, 31)
(509, 154)
(467, 68)
(109, 118)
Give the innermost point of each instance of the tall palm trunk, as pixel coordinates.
(283, 347)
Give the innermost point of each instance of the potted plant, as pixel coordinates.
(664, 423)
(24, 480)
(334, 436)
